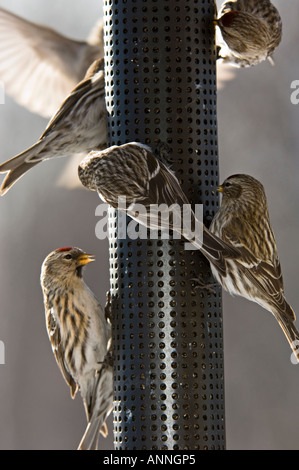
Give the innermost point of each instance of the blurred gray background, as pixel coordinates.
(258, 135)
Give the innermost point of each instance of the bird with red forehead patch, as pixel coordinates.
(250, 31)
(80, 336)
(66, 248)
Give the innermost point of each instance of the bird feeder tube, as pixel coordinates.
(167, 332)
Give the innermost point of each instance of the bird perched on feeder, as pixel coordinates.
(243, 222)
(251, 31)
(80, 337)
(239, 245)
(40, 66)
(77, 127)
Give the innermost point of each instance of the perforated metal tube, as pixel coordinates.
(168, 347)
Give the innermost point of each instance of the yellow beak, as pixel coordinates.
(85, 259)
(220, 189)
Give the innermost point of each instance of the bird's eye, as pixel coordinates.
(68, 257)
(227, 185)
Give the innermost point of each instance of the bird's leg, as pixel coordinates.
(108, 359)
(108, 307)
(209, 286)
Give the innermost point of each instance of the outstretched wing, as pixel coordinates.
(38, 66)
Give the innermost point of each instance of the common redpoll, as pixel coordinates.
(243, 222)
(80, 337)
(38, 66)
(78, 126)
(247, 265)
(132, 171)
(251, 30)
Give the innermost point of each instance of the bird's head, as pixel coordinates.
(240, 191)
(64, 265)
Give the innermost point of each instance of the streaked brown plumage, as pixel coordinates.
(80, 337)
(78, 126)
(243, 222)
(251, 31)
(132, 170)
(39, 66)
(245, 264)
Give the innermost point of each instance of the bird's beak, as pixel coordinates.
(215, 22)
(85, 259)
(220, 189)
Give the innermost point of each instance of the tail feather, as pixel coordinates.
(90, 438)
(216, 250)
(19, 165)
(290, 332)
(13, 176)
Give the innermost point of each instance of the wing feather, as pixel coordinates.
(39, 66)
(55, 340)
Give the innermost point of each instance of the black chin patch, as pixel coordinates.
(79, 271)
